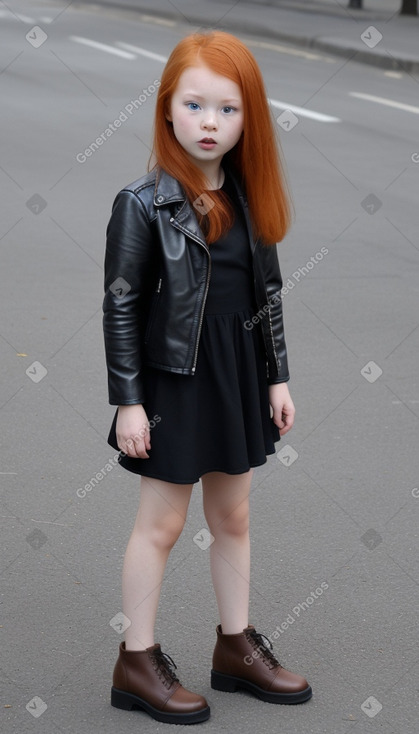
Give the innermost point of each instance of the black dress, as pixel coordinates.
(219, 418)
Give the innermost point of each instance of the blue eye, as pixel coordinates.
(192, 106)
(227, 109)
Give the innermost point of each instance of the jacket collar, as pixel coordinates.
(168, 190)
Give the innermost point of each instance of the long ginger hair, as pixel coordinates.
(255, 158)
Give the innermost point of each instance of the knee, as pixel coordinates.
(164, 533)
(233, 523)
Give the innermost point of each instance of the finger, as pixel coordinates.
(287, 425)
(135, 445)
(133, 449)
(278, 419)
(289, 420)
(128, 447)
(121, 443)
(140, 448)
(142, 443)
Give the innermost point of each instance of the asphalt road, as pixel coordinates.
(335, 512)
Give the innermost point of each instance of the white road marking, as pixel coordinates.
(303, 112)
(309, 55)
(142, 52)
(103, 47)
(25, 18)
(158, 21)
(386, 102)
(393, 74)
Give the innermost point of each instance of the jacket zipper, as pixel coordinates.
(201, 318)
(153, 310)
(272, 335)
(273, 343)
(270, 329)
(249, 229)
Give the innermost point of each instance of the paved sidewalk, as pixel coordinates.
(375, 35)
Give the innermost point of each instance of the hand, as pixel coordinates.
(132, 431)
(282, 406)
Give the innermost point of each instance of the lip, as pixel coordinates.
(207, 143)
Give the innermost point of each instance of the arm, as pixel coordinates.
(128, 279)
(279, 396)
(128, 273)
(271, 274)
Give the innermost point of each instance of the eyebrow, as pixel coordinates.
(199, 96)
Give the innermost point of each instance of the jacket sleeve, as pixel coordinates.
(272, 323)
(128, 279)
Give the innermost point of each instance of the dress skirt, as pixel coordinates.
(219, 418)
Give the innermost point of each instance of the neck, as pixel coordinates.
(213, 173)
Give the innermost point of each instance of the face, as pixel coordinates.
(207, 114)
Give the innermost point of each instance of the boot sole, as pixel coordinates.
(230, 684)
(128, 701)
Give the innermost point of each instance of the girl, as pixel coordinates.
(196, 358)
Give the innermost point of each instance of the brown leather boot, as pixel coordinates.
(145, 679)
(244, 660)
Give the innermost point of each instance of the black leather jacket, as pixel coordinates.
(157, 273)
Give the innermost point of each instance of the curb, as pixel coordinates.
(384, 60)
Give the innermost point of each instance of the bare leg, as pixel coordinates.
(226, 508)
(159, 522)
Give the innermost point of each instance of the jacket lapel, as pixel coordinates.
(169, 191)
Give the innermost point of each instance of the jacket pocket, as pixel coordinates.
(153, 310)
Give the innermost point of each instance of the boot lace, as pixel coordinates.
(263, 645)
(165, 667)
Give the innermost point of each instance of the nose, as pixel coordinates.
(209, 121)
